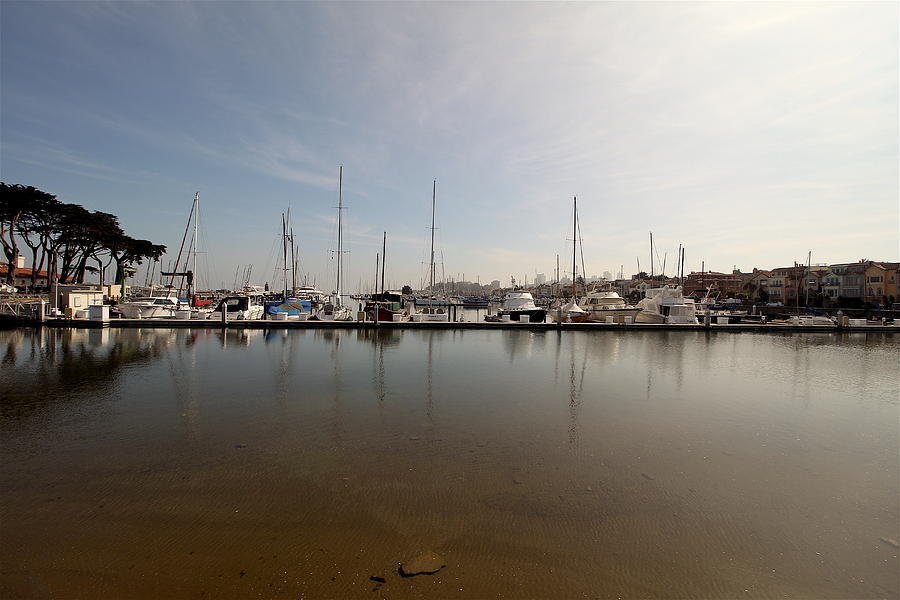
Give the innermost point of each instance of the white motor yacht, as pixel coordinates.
(667, 305)
(608, 304)
(520, 306)
(163, 307)
(313, 294)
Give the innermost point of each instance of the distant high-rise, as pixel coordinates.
(540, 279)
(607, 275)
(495, 284)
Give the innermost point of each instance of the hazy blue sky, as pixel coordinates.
(750, 132)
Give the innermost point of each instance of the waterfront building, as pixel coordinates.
(891, 283)
(864, 281)
(79, 297)
(853, 281)
(696, 283)
(831, 285)
(756, 285)
(881, 283)
(22, 276)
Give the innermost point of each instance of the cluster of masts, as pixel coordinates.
(290, 259)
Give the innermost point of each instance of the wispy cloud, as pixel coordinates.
(47, 155)
(772, 124)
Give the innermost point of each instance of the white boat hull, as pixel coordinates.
(649, 317)
(146, 311)
(337, 313)
(599, 315)
(431, 317)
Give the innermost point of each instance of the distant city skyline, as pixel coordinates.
(750, 133)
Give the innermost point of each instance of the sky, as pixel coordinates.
(751, 133)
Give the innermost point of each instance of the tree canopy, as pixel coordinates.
(64, 237)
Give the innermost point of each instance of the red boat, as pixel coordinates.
(388, 305)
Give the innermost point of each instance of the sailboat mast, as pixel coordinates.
(383, 259)
(574, 243)
(678, 266)
(293, 258)
(340, 248)
(581, 251)
(431, 268)
(196, 220)
(806, 280)
(187, 227)
(651, 258)
(284, 265)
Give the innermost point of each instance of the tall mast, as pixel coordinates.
(651, 258)
(340, 247)
(808, 273)
(196, 219)
(581, 250)
(431, 268)
(383, 259)
(293, 257)
(284, 255)
(187, 227)
(574, 243)
(443, 277)
(678, 266)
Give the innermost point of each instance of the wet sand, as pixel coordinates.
(186, 464)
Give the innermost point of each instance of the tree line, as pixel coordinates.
(65, 239)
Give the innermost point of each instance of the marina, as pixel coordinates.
(642, 345)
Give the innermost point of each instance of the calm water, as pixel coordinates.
(148, 463)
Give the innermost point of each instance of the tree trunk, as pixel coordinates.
(40, 266)
(80, 271)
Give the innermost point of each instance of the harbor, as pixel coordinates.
(449, 301)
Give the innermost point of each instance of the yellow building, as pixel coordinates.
(880, 282)
(891, 282)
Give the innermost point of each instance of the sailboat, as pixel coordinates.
(388, 304)
(169, 305)
(334, 310)
(571, 312)
(289, 306)
(432, 311)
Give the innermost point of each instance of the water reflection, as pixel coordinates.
(63, 364)
(606, 463)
